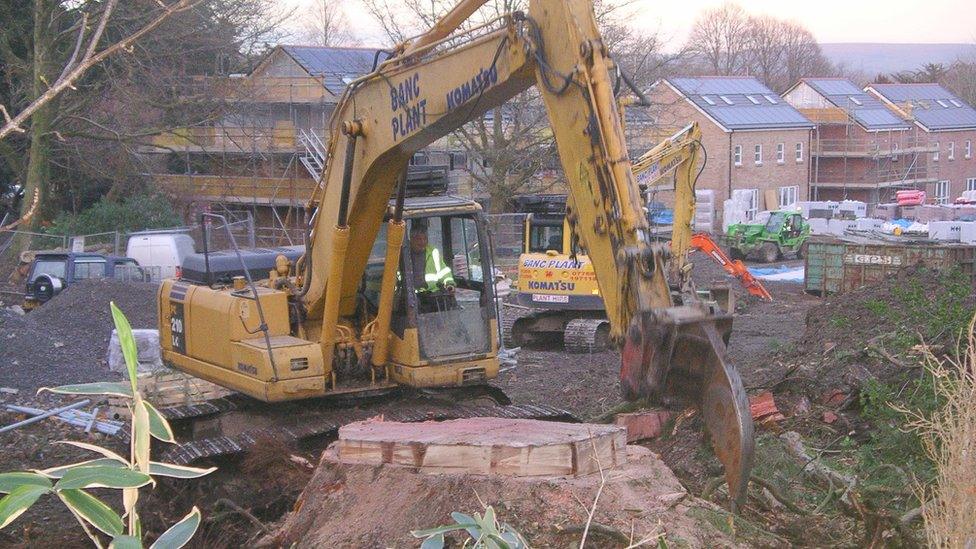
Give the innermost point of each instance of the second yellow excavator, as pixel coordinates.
(557, 295)
(356, 312)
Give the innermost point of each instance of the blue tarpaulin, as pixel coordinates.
(783, 272)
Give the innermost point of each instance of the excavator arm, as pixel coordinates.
(679, 155)
(673, 349)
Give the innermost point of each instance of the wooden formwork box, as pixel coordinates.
(840, 266)
(169, 388)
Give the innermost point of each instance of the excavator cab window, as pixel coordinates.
(453, 310)
(546, 234)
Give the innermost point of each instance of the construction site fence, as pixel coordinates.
(506, 232)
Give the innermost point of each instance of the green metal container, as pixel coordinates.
(839, 266)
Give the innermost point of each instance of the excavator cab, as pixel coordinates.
(443, 321)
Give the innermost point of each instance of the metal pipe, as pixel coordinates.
(346, 180)
(394, 243)
(206, 248)
(45, 415)
(340, 243)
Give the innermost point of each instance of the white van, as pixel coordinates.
(165, 250)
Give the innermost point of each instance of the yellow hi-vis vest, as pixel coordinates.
(435, 271)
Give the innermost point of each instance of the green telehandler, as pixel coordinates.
(784, 232)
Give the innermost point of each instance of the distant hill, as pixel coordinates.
(889, 58)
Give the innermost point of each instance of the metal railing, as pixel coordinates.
(507, 234)
(871, 147)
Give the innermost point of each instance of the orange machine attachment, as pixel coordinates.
(704, 243)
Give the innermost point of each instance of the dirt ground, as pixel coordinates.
(348, 506)
(778, 345)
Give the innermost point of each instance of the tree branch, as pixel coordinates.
(89, 60)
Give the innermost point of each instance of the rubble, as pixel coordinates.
(65, 340)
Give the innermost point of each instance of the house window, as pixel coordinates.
(956, 103)
(780, 153)
(942, 103)
(708, 100)
(799, 152)
(726, 99)
(952, 150)
(935, 155)
(942, 192)
(771, 99)
(787, 196)
(969, 148)
(753, 208)
(856, 101)
(758, 155)
(971, 184)
(737, 155)
(752, 99)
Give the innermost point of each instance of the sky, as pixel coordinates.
(900, 21)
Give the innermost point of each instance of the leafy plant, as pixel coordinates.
(70, 482)
(485, 532)
(134, 213)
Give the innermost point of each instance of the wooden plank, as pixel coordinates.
(485, 446)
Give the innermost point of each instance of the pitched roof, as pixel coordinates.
(739, 102)
(336, 66)
(932, 106)
(864, 108)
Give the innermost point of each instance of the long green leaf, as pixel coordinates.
(433, 542)
(461, 518)
(127, 342)
(180, 533)
(98, 449)
(102, 476)
(177, 471)
(92, 509)
(109, 388)
(158, 426)
(11, 481)
(140, 433)
(58, 472)
(125, 542)
(19, 500)
(440, 530)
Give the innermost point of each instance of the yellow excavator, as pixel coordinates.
(311, 329)
(557, 294)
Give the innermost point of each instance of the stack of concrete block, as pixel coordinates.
(852, 209)
(814, 210)
(818, 225)
(868, 224)
(967, 232)
(735, 210)
(885, 211)
(908, 212)
(838, 227)
(946, 231)
(958, 211)
(928, 213)
(704, 211)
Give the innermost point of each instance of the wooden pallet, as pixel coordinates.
(170, 388)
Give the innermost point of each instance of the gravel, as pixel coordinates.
(65, 340)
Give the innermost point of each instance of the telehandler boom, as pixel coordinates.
(311, 329)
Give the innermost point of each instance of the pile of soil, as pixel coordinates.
(366, 506)
(851, 337)
(66, 339)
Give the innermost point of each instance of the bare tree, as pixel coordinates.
(327, 24)
(720, 36)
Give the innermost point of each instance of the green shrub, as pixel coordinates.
(132, 214)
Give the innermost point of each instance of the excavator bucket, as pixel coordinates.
(680, 362)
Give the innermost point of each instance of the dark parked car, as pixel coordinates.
(51, 272)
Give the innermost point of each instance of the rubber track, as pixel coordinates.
(580, 334)
(189, 452)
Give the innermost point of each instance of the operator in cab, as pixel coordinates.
(430, 273)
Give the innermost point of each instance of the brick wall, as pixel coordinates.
(960, 168)
(720, 174)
